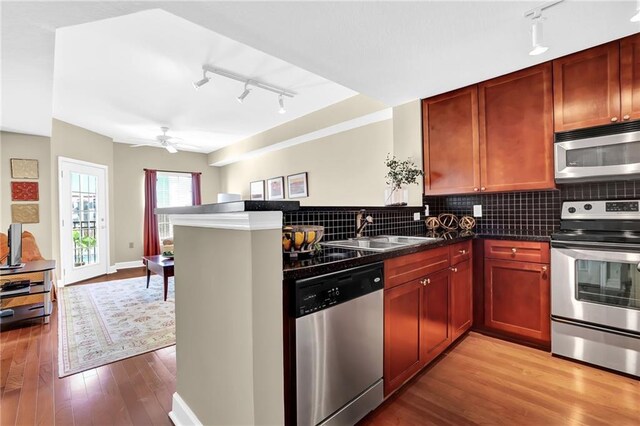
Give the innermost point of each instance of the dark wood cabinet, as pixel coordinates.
(451, 150)
(436, 305)
(516, 130)
(524, 251)
(402, 269)
(586, 88)
(402, 341)
(517, 299)
(630, 77)
(461, 298)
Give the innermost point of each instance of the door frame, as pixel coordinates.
(63, 256)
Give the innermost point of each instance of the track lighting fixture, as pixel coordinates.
(245, 93)
(636, 17)
(535, 14)
(536, 37)
(281, 92)
(202, 82)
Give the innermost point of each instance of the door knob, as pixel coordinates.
(614, 119)
(626, 117)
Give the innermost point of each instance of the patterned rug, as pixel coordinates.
(106, 322)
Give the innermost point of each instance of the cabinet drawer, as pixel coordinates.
(406, 268)
(525, 251)
(460, 252)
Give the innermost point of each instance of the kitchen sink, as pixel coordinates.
(379, 243)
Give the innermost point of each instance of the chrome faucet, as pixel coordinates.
(361, 224)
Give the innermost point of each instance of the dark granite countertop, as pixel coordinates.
(233, 207)
(336, 259)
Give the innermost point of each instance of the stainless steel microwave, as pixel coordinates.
(599, 154)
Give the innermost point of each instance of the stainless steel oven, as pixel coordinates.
(595, 284)
(605, 153)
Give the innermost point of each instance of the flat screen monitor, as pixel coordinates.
(15, 244)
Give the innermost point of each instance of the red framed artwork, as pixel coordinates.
(24, 191)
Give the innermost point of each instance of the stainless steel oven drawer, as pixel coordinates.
(595, 345)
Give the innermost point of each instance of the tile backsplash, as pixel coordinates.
(531, 212)
(340, 222)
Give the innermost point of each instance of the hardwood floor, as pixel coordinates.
(134, 391)
(483, 380)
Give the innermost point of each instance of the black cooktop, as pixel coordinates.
(626, 237)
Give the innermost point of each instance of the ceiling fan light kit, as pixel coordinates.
(163, 140)
(280, 91)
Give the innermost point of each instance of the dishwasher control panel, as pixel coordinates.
(318, 293)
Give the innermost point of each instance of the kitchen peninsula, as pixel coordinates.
(229, 349)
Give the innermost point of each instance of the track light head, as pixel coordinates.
(245, 93)
(202, 82)
(636, 17)
(282, 109)
(536, 37)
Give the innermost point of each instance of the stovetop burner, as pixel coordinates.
(597, 236)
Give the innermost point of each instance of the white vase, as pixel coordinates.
(396, 196)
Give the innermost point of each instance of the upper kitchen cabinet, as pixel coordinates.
(516, 130)
(630, 77)
(586, 88)
(451, 150)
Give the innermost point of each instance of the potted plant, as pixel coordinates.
(84, 243)
(400, 173)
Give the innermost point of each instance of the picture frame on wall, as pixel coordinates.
(275, 188)
(256, 190)
(298, 185)
(22, 168)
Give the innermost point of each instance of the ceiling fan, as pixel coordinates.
(170, 143)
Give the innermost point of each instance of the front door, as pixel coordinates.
(83, 220)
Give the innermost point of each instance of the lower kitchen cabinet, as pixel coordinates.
(402, 342)
(461, 298)
(436, 309)
(517, 299)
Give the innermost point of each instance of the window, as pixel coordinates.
(172, 190)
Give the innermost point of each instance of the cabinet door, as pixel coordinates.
(516, 131)
(517, 299)
(461, 298)
(586, 88)
(450, 131)
(436, 304)
(402, 306)
(630, 77)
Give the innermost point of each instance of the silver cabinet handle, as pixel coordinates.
(544, 269)
(476, 189)
(483, 188)
(454, 269)
(425, 281)
(614, 119)
(514, 250)
(463, 251)
(626, 117)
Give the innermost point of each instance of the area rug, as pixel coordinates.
(106, 322)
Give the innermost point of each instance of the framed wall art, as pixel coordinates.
(297, 185)
(256, 190)
(25, 213)
(24, 169)
(24, 191)
(275, 188)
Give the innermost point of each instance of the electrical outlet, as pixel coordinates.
(416, 216)
(130, 245)
(477, 210)
(426, 210)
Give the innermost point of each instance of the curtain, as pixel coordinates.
(151, 237)
(195, 189)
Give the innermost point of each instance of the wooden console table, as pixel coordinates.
(32, 310)
(159, 265)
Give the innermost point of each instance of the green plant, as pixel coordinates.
(85, 242)
(401, 172)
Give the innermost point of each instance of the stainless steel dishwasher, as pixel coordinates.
(339, 346)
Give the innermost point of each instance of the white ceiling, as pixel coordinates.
(124, 77)
(392, 51)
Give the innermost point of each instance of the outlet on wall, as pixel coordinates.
(477, 210)
(426, 210)
(416, 216)
(130, 245)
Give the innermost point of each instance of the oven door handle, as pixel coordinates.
(588, 245)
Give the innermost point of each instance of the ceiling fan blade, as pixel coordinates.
(141, 144)
(172, 149)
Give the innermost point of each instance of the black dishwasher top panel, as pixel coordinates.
(318, 293)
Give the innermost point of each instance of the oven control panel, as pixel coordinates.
(601, 209)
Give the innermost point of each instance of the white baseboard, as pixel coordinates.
(181, 414)
(125, 265)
